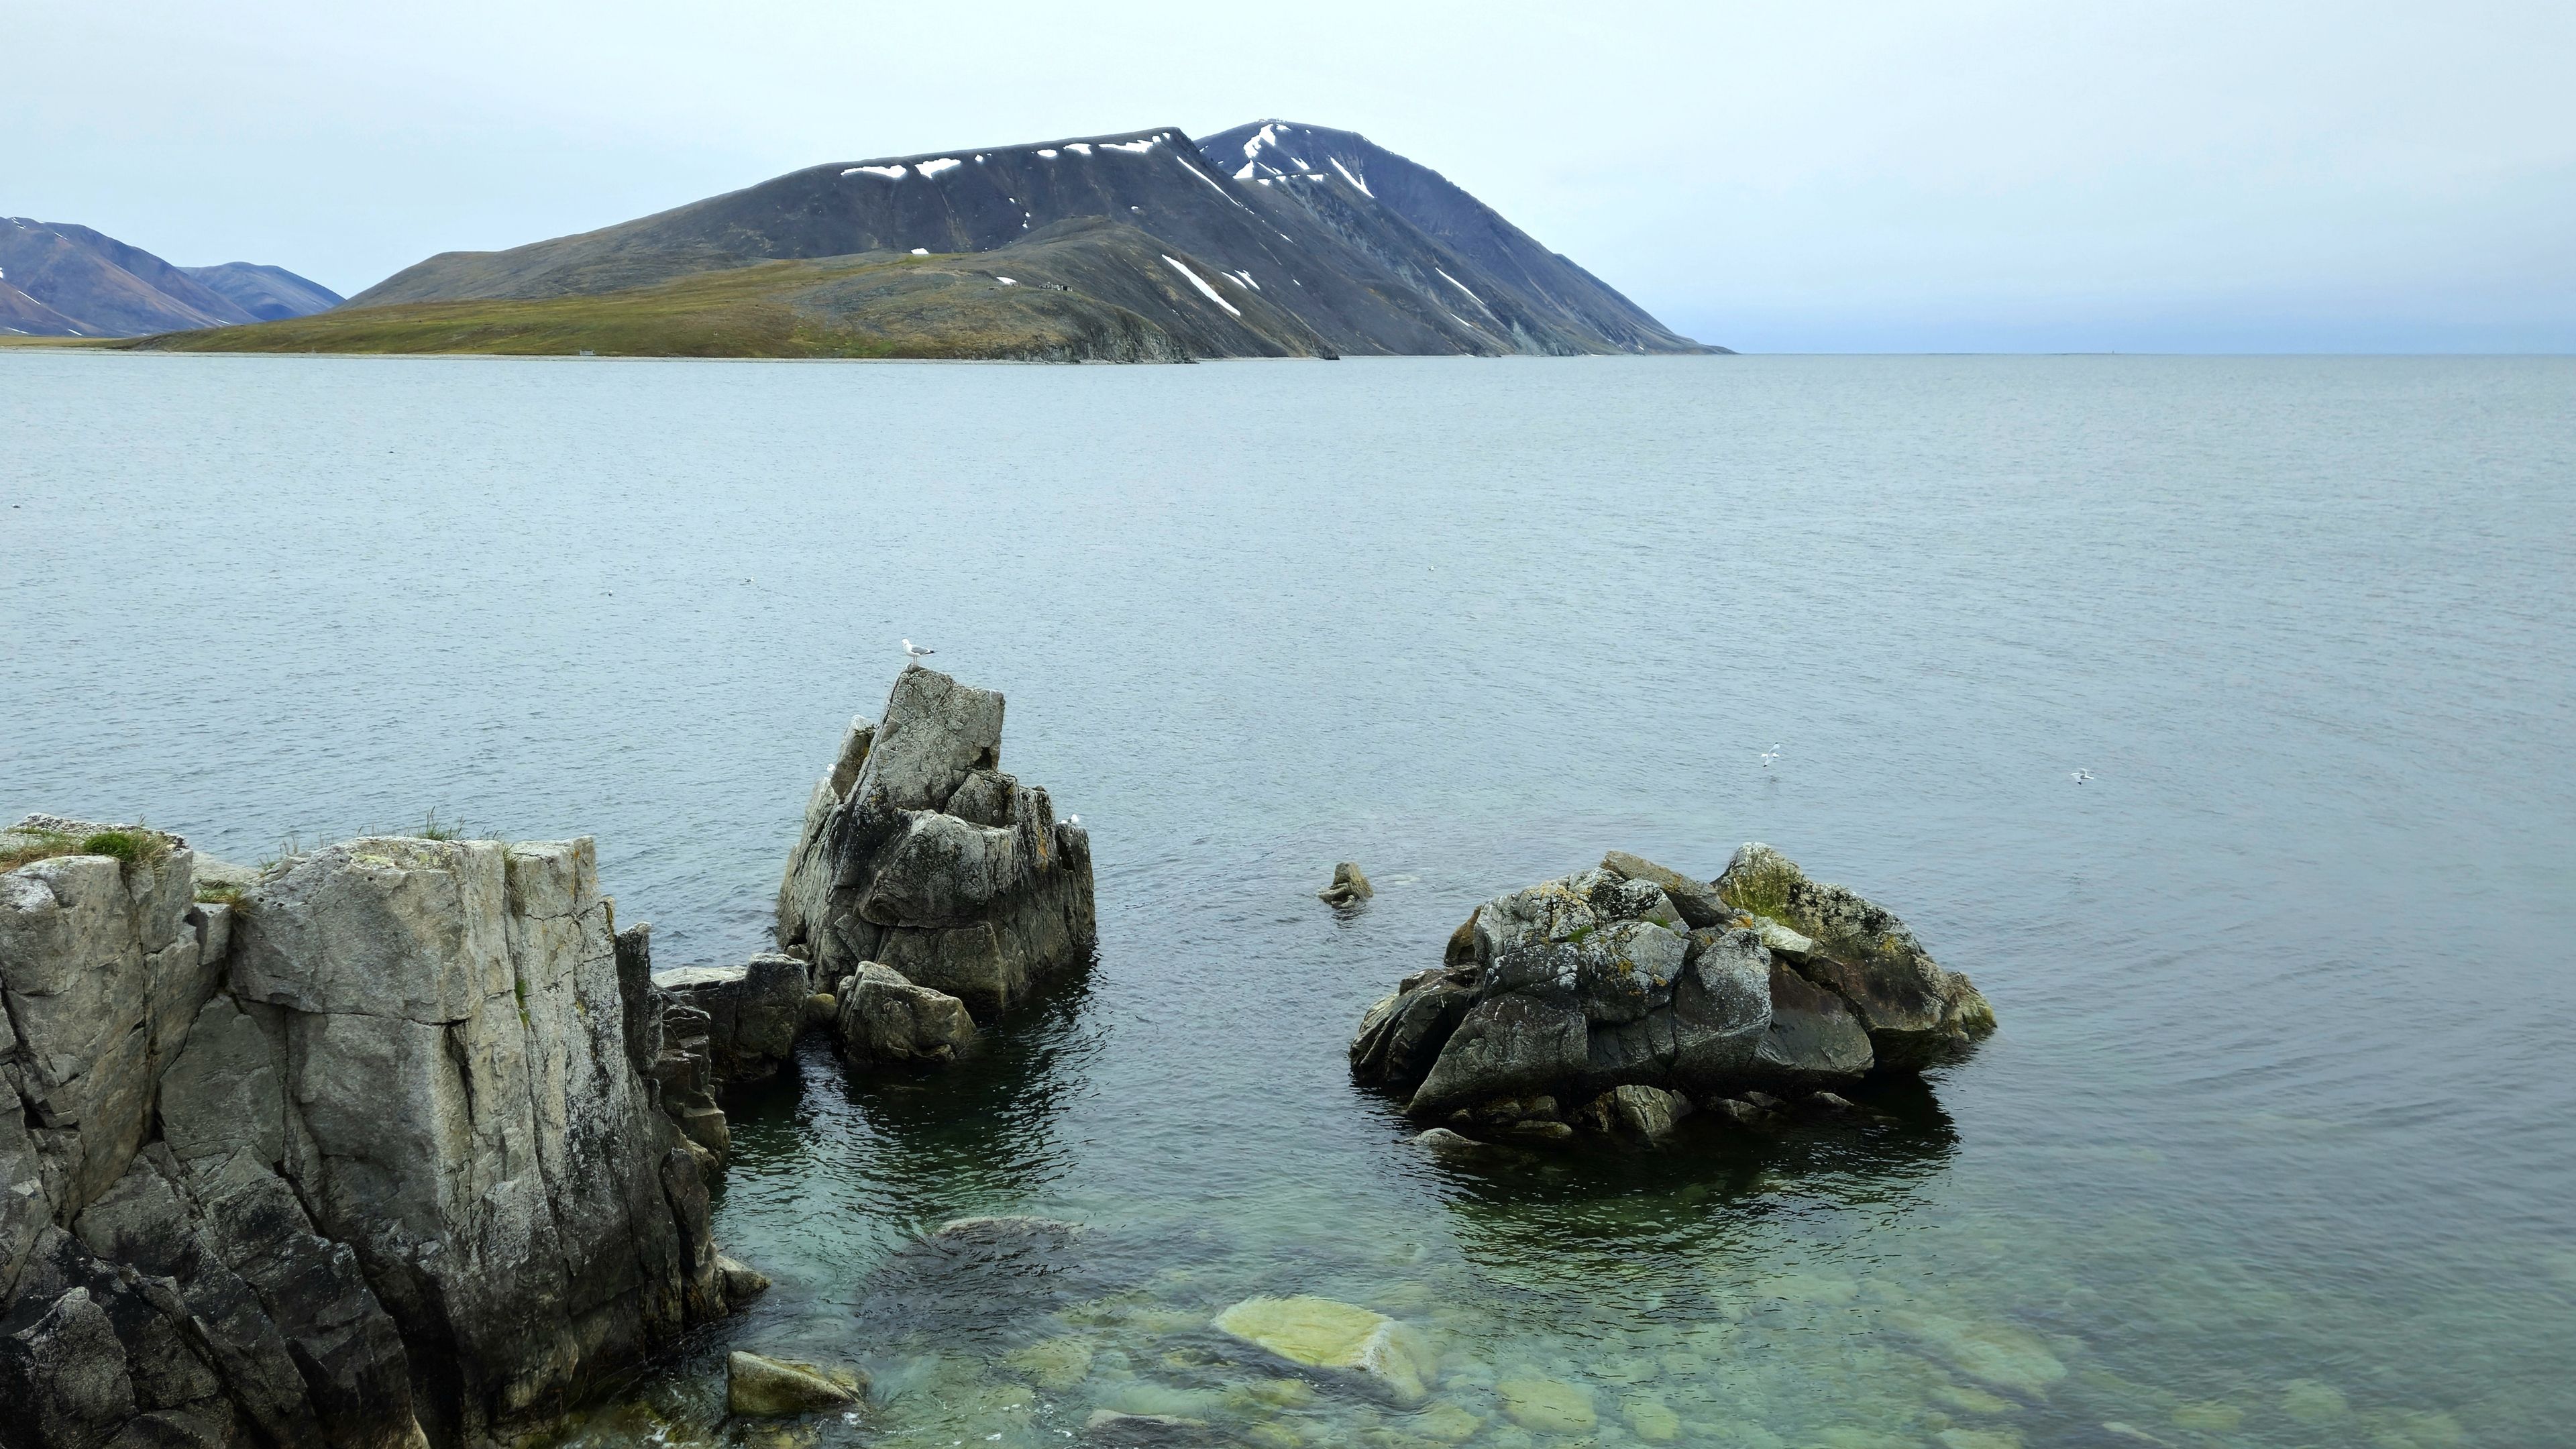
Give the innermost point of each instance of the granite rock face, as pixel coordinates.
(369, 1158)
(918, 853)
(1635, 990)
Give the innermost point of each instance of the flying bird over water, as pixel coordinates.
(2083, 775)
(1770, 754)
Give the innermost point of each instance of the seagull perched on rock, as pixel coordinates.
(1770, 754)
(915, 656)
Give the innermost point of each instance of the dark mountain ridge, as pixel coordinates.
(58, 279)
(1373, 255)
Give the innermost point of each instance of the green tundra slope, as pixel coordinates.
(1084, 291)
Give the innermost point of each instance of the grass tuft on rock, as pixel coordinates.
(26, 847)
(134, 847)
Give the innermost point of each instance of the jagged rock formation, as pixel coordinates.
(918, 853)
(370, 1158)
(1628, 985)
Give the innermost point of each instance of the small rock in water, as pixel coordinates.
(1763, 1100)
(1738, 1111)
(1441, 1139)
(1653, 1420)
(1979, 1439)
(1111, 1429)
(769, 1387)
(1551, 1406)
(882, 1017)
(1055, 1363)
(2311, 1402)
(1974, 1401)
(1993, 1353)
(1349, 887)
(742, 1283)
(1321, 1333)
(1832, 1101)
(1445, 1424)
(2209, 1417)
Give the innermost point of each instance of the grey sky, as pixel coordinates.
(1969, 176)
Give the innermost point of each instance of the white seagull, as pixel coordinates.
(2083, 775)
(1770, 754)
(915, 656)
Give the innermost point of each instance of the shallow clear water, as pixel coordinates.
(2273, 1147)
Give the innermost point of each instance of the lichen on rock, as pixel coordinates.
(1636, 991)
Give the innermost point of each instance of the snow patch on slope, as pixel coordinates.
(1201, 283)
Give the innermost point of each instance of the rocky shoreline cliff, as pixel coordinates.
(400, 1143)
(367, 1154)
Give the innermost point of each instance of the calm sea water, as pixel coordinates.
(2274, 1147)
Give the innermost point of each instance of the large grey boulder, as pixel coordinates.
(881, 1019)
(466, 1116)
(370, 1155)
(917, 852)
(1915, 1011)
(1634, 989)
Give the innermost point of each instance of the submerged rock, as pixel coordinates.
(769, 1387)
(1321, 1333)
(1349, 887)
(918, 853)
(1551, 1406)
(1633, 979)
(1111, 1429)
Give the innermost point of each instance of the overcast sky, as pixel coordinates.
(2237, 176)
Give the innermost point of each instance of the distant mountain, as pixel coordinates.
(1305, 161)
(1273, 240)
(61, 280)
(266, 293)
